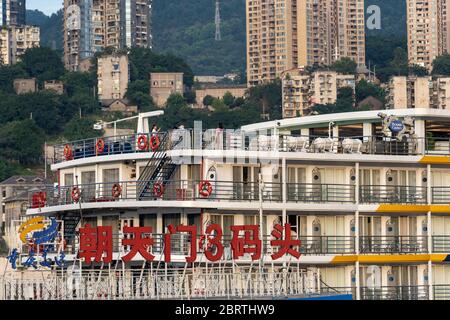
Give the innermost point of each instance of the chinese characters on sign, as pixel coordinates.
(97, 243)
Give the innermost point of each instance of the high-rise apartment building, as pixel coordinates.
(12, 12)
(113, 76)
(92, 25)
(15, 40)
(428, 24)
(301, 90)
(419, 92)
(287, 34)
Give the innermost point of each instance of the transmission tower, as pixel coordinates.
(218, 21)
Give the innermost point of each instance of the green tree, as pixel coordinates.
(208, 100)
(345, 66)
(228, 99)
(138, 93)
(8, 74)
(441, 65)
(366, 89)
(78, 129)
(22, 141)
(43, 63)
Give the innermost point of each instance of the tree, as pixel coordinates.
(228, 99)
(418, 71)
(441, 65)
(345, 66)
(138, 93)
(208, 100)
(78, 129)
(366, 89)
(22, 141)
(43, 63)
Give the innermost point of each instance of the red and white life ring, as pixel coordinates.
(100, 146)
(116, 190)
(76, 194)
(154, 142)
(205, 189)
(142, 142)
(68, 154)
(158, 189)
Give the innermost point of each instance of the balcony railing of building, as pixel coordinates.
(249, 141)
(194, 190)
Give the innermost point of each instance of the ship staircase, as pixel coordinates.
(159, 168)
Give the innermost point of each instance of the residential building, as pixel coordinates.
(54, 85)
(123, 106)
(15, 40)
(302, 90)
(93, 25)
(419, 92)
(25, 85)
(238, 91)
(12, 12)
(287, 34)
(14, 186)
(164, 84)
(113, 76)
(428, 25)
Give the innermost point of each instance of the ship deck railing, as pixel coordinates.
(238, 191)
(237, 140)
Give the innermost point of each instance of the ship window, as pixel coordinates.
(110, 175)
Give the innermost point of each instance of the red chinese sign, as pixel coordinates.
(97, 243)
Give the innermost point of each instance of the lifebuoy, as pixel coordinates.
(116, 190)
(142, 142)
(100, 146)
(68, 154)
(76, 194)
(205, 189)
(154, 142)
(158, 189)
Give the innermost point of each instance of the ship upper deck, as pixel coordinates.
(355, 136)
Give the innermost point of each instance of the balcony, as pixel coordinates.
(395, 293)
(393, 244)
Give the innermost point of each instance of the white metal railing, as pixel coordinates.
(110, 284)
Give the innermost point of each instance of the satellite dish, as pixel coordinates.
(73, 21)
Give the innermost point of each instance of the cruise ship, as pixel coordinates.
(365, 195)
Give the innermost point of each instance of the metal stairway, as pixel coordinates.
(159, 168)
(71, 221)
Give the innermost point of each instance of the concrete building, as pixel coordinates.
(23, 85)
(12, 12)
(54, 85)
(14, 186)
(301, 90)
(428, 25)
(289, 34)
(218, 92)
(164, 84)
(113, 76)
(92, 25)
(123, 106)
(14, 41)
(419, 92)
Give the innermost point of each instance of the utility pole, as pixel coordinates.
(218, 21)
